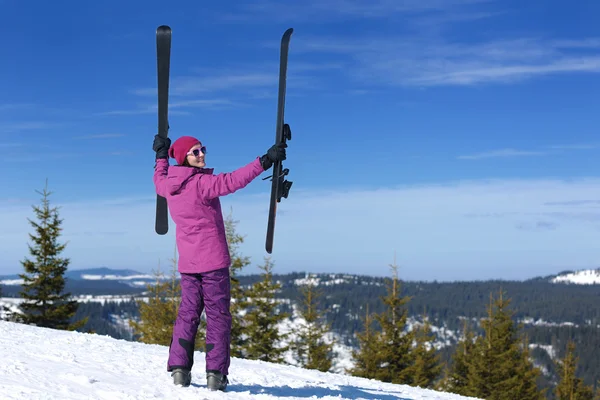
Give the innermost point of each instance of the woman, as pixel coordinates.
(192, 193)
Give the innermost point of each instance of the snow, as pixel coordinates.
(330, 279)
(582, 277)
(11, 282)
(114, 277)
(41, 363)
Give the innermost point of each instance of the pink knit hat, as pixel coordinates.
(180, 148)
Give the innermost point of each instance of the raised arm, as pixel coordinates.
(161, 168)
(212, 186)
(160, 176)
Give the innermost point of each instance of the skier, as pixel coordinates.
(192, 193)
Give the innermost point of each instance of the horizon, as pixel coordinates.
(461, 135)
(242, 273)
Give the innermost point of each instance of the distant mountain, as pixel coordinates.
(138, 279)
(578, 277)
(582, 277)
(103, 274)
(91, 281)
(126, 276)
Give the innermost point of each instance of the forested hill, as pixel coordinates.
(538, 299)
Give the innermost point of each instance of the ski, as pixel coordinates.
(163, 57)
(280, 187)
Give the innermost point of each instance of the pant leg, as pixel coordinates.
(217, 296)
(181, 350)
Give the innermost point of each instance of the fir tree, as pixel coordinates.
(529, 374)
(570, 387)
(264, 339)
(46, 304)
(394, 344)
(238, 297)
(312, 350)
(158, 314)
(426, 367)
(366, 361)
(500, 368)
(457, 379)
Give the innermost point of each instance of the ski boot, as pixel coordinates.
(181, 377)
(216, 380)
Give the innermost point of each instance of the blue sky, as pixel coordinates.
(461, 134)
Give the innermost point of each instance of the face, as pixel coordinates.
(197, 160)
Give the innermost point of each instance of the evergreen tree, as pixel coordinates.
(457, 379)
(366, 361)
(529, 374)
(238, 296)
(158, 314)
(570, 387)
(426, 367)
(264, 338)
(312, 350)
(394, 344)
(45, 302)
(500, 368)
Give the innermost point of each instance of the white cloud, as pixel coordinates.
(175, 107)
(510, 152)
(432, 61)
(14, 106)
(459, 230)
(501, 153)
(13, 127)
(101, 136)
(237, 83)
(319, 11)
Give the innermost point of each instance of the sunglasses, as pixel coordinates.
(196, 152)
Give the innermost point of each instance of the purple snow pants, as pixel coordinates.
(207, 291)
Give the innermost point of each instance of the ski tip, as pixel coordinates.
(288, 33)
(163, 29)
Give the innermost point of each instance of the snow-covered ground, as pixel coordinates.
(582, 277)
(39, 363)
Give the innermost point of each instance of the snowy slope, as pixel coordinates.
(40, 363)
(581, 277)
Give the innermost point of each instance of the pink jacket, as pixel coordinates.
(193, 198)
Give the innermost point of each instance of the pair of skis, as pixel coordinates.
(280, 187)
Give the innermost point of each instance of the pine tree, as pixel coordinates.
(500, 368)
(238, 296)
(570, 387)
(264, 338)
(457, 379)
(158, 314)
(46, 304)
(312, 350)
(394, 351)
(426, 367)
(366, 361)
(527, 387)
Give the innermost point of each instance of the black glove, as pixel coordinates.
(275, 153)
(161, 146)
